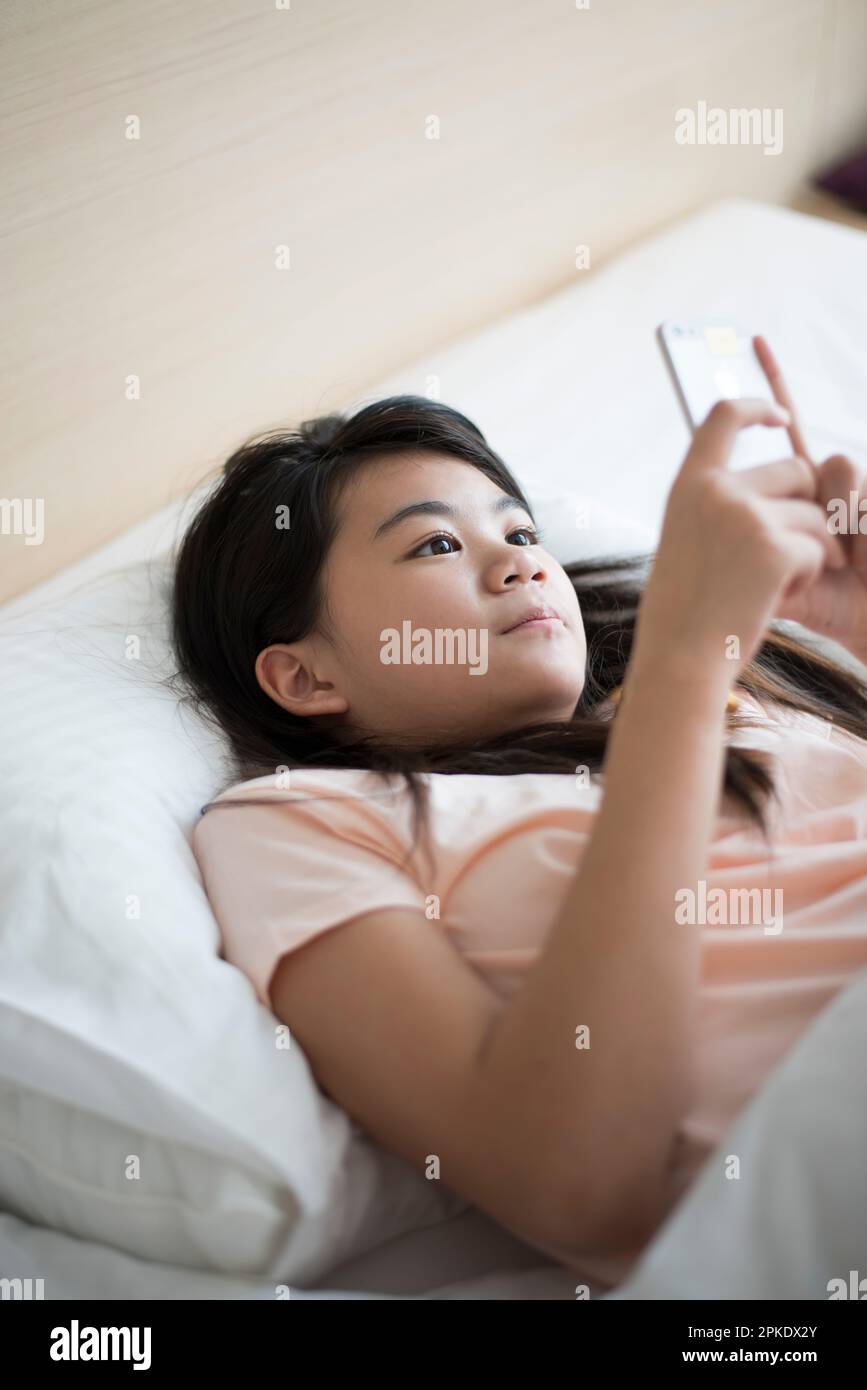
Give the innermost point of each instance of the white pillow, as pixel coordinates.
(576, 525)
(125, 1037)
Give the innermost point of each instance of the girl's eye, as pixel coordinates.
(432, 540)
(535, 537)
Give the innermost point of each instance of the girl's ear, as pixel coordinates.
(283, 674)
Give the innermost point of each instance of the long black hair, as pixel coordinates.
(242, 582)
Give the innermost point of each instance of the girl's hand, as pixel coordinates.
(836, 604)
(735, 547)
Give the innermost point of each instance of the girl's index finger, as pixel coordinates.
(771, 368)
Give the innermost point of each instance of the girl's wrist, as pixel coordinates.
(662, 690)
(687, 667)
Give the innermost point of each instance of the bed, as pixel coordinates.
(144, 1156)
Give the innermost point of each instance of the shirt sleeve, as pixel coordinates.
(279, 875)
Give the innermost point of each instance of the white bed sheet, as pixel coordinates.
(573, 392)
(441, 1262)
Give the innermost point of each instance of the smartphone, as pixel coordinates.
(710, 361)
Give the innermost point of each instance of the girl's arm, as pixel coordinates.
(616, 960)
(617, 963)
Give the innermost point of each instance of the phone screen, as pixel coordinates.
(711, 361)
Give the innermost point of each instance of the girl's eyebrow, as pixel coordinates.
(434, 508)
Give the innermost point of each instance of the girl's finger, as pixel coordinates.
(714, 439)
(806, 517)
(841, 482)
(771, 368)
(836, 478)
(807, 561)
(781, 478)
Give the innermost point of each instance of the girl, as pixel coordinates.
(557, 981)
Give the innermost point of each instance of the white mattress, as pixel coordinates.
(572, 392)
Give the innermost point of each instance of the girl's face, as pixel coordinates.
(431, 569)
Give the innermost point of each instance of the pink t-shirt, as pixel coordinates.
(330, 847)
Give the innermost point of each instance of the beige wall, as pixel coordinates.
(306, 127)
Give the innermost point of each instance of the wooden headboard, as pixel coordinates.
(225, 215)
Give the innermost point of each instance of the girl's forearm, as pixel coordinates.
(616, 962)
